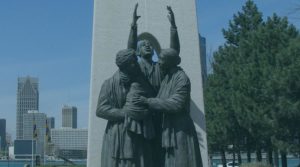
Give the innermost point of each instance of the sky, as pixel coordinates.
(52, 40)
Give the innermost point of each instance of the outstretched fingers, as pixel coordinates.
(135, 16)
(170, 10)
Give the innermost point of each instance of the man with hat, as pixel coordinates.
(179, 138)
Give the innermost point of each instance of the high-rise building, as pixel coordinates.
(203, 58)
(9, 140)
(27, 99)
(3, 134)
(37, 119)
(70, 143)
(51, 122)
(69, 117)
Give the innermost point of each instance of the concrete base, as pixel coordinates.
(112, 19)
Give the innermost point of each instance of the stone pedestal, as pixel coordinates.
(112, 19)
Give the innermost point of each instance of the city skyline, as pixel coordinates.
(51, 40)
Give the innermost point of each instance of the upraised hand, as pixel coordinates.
(135, 16)
(171, 16)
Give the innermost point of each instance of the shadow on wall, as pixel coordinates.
(199, 119)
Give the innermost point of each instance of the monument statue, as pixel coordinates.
(120, 146)
(123, 113)
(147, 105)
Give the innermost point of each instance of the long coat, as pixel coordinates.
(179, 138)
(120, 148)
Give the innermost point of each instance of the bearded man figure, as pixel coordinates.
(179, 138)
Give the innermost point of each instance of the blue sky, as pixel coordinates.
(51, 40)
(214, 15)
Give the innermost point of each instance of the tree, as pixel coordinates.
(285, 83)
(216, 117)
(256, 73)
(233, 68)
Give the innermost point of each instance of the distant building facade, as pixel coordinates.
(39, 119)
(2, 134)
(203, 58)
(70, 143)
(9, 140)
(51, 122)
(69, 117)
(27, 99)
(23, 149)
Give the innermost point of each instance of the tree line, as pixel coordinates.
(252, 97)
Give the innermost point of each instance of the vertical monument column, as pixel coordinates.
(112, 21)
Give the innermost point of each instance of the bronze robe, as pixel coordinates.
(179, 138)
(119, 148)
(138, 118)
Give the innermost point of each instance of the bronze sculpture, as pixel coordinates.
(120, 147)
(179, 139)
(147, 107)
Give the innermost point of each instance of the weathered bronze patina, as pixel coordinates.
(147, 106)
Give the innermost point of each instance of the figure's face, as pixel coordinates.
(146, 49)
(132, 68)
(164, 64)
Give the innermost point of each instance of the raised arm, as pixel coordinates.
(174, 41)
(132, 40)
(104, 108)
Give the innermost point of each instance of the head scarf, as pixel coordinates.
(124, 57)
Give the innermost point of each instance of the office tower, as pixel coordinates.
(3, 134)
(51, 122)
(9, 140)
(31, 119)
(69, 117)
(203, 58)
(70, 143)
(27, 99)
